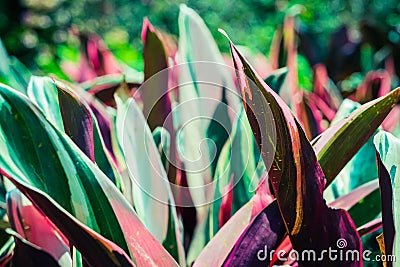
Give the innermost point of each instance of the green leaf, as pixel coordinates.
(369, 243)
(340, 142)
(72, 115)
(104, 87)
(219, 130)
(170, 242)
(363, 203)
(43, 92)
(162, 140)
(276, 79)
(6, 251)
(13, 71)
(37, 155)
(151, 192)
(367, 209)
(304, 73)
(98, 251)
(360, 169)
(239, 161)
(202, 75)
(20, 72)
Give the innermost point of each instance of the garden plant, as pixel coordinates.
(202, 158)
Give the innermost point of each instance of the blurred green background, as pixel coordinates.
(38, 31)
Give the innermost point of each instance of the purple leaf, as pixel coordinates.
(97, 250)
(263, 234)
(33, 226)
(296, 176)
(385, 184)
(27, 254)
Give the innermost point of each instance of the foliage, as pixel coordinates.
(102, 163)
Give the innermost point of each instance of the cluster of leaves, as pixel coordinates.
(37, 32)
(82, 161)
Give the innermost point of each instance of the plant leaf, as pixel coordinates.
(79, 187)
(162, 139)
(72, 115)
(360, 169)
(219, 130)
(359, 200)
(12, 71)
(238, 164)
(296, 177)
(31, 225)
(276, 79)
(6, 252)
(96, 249)
(334, 147)
(43, 92)
(349, 200)
(225, 210)
(150, 186)
(388, 162)
(156, 89)
(388, 225)
(370, 227)
(264, 233)
(27, 254)
(214, 254)
(202, 76)
(104, 87)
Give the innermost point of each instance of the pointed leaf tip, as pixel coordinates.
(225, 34)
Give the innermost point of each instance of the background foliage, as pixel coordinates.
(38, 31)
(312, 48)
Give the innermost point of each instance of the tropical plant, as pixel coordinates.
(119, 167)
